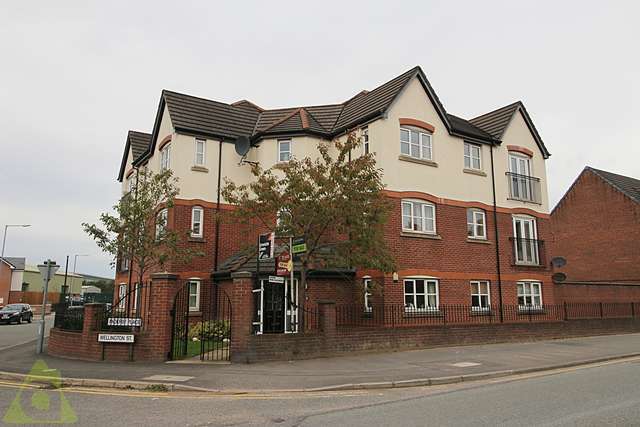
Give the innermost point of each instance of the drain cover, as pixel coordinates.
(174, 378)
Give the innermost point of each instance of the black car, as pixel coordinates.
(16, 313)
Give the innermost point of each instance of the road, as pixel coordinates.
(12, 335)
(605, 394)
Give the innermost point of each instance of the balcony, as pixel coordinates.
(524, 188)
(527, 252)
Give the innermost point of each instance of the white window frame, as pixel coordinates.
(365, 141)
(163, 214)
(136, 295)
(203, 143)
(366, 284)
(423, 206)
(197, 282)
(288, 153)
(426, 294)
(474, 224)
(200, 222)
(532, 242)
(122, 292)
(131, 184)
(481, 294)
(424, 146)
(165, 157)
(529, 295)
(469, 156)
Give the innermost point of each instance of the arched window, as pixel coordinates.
(197, 221)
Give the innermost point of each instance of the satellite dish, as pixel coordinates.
(558, 261)
(242, 144)
(559, 277)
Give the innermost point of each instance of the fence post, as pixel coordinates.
(566, 313)
(601, 311)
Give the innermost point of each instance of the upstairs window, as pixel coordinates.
(476, 224)
(416, 144)
(284, 150)
(365, 140)
(165, 157)
(161, 222)
(197, 214)
(418, 216)
(200, 147)
(472, 156)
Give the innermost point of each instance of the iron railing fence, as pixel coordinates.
(527, 252)
(524, 188)
(391, 316)
(68, 318)
(129, 312)
(311, 316)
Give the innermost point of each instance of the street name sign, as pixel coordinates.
(299, 245)
(124, 321)
(276, 279)
(121, 338)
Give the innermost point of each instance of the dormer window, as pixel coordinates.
(284, 150)
(415, 143)
(165, 154)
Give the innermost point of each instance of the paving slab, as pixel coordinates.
(402, 367)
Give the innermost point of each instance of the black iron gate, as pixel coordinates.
(201, 322)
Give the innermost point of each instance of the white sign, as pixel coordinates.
(123, 338)
(124, 321)
(276, 279)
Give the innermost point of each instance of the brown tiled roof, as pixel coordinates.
(625, 184)
(139, 142)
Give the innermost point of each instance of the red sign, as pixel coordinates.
(284, 264)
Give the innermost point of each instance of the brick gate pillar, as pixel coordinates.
(159, 322)
(241, 315)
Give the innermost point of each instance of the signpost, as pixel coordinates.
(47, 271)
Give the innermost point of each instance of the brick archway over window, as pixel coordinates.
(521, 150)
(417, 123)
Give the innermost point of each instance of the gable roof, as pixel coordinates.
(138, 142)
(496, 122)
(16, 262)
(628, 186)
(200, 116)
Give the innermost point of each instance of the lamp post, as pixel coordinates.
(4, 237)
(47, 271)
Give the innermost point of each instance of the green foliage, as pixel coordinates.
(211, 330)
(135, 231)
(157, 388)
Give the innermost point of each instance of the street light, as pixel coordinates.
(4, 238)
(75, 260)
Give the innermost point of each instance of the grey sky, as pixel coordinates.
(75, 76)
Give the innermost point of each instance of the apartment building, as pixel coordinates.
(470, 219)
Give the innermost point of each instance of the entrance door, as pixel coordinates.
(526, 245)
(274, 308)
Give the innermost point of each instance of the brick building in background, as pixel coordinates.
(470, 216)
(596, 228)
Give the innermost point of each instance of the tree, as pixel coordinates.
(136, 231)
(335, 202)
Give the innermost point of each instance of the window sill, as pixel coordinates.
(531, 202)
(195, 313)
(199, 169)
(477, 240)
(474, 172)
(421, 235)
(196, 239)
(410, 159)
(528, 265)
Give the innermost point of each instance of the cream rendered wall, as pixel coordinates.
(16, 280)
(517, 133)
(165, 129)
(127, 168)
(448, 179)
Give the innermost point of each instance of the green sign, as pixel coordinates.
(299, 245)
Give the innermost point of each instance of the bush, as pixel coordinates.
(211, 330)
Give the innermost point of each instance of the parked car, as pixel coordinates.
(16, 313)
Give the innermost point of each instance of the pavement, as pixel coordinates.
(13, 335)
(359, 371)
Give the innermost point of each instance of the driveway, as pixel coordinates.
(12, 335)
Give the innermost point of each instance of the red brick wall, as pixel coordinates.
(597, 229)
(597, 293)
(5, 283)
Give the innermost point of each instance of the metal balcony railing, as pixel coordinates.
(527, 251)
(524, 188)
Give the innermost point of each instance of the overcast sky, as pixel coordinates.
(76, 76)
